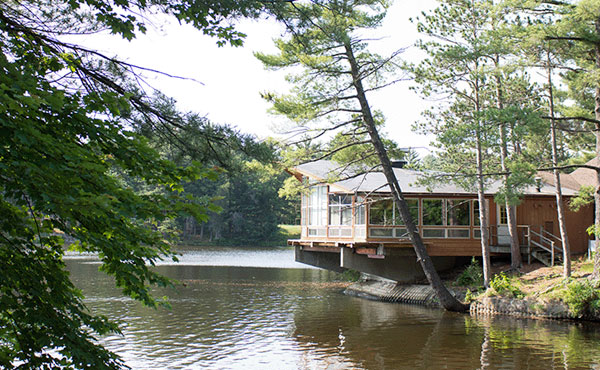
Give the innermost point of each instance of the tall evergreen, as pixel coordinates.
(337, 73)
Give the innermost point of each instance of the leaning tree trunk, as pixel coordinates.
(559, 198)
(515, 249)
(447, 300)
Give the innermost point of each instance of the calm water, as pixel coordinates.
(257, 309)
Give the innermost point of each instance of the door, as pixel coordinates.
(502, 225)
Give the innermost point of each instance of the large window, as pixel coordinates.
(433, 212)
(359, 210)
(446, 212)
(340, 209)
(317, 206)
(458, 212)
(384, 212)
(455, 214)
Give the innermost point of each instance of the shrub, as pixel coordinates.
(469, 296)
(350, 275)
(581, 296)
(472, 275)
(502, 284)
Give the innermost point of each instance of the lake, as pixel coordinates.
(246, 308)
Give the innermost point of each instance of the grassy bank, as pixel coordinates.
(538, 284)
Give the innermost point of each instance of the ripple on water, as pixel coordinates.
(277, 318)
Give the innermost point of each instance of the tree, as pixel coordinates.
(579, 25)
(331, 92)
(570, 33)
(455, 69)
(64, 112)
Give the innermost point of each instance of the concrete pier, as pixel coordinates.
(398, 264)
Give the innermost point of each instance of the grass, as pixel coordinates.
(547, 284)
(284, 233)
(290, 231)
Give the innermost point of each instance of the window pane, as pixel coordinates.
(503, 217)
(401, 233)
(413, 208)
(334, 215)
(434, 233)
(381, 233)
(476, 221)
(459, 212)
(346, 215)
(346, 232)
(382, 212)
(432, 212)
(317, 205)
(360, 211)
(316, 232)
(458, 233)
(413, 205)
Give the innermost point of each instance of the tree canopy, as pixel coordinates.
(66, 143)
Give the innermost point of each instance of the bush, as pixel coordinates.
(581, 296)
(502, 284)
(350, 275)
(472, 275)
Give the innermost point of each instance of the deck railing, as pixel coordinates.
(535, 238)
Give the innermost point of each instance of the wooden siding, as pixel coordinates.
(541, 211)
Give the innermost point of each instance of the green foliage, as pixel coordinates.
(350, 275)
(469, 296)
(585, 197)
(472, 275)
(358, 150)
(581, 297)
(488, 101)
(250, 208)
(323, 102)
(290, 231)
(71, 165)
(503, 284)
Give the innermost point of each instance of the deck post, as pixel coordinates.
(552, 246)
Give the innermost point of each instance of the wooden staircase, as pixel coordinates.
(545, 247)
(542, 246)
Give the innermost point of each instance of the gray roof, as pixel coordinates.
(375, 182)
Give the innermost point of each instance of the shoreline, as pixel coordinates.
(423, 295)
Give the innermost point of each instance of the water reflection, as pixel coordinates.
(384, 336)
(233, 317)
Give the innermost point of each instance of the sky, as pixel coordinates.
(224, 83)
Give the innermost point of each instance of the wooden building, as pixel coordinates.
(358, 213)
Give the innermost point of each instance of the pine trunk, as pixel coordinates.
(596, 272)
(447, 300)
(483, 220)
(559, 198)
(515, 249)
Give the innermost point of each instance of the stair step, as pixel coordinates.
(545, 256)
